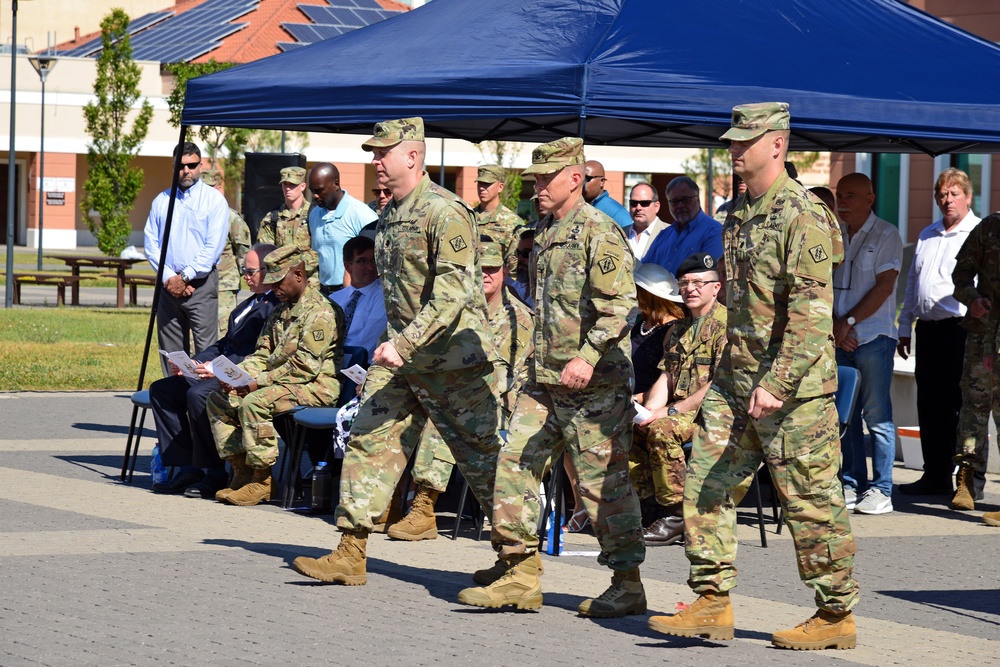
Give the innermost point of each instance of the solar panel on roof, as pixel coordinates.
(289, 46)
(364, 4)
(92, 46)
(192, 33)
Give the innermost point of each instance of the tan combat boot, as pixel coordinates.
(520, 586)
(711, 617)
(991, 518)
(344, 566)
(257, 491)
(420, 523)
(965, 493)
(823, 630)
(242, 474)
(625, 596)
(497, 570)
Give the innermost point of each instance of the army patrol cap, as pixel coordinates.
(293, 175)
(490, 173)
(279, 262)
(697, 263)
(211, 177)
(658, 281)
(555, 155)
(752, 120)
(490, 255)
(391, 132)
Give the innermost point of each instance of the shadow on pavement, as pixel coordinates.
(116, 428)
(108, 466)
(968, 603)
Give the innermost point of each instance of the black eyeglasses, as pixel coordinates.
(250, 273)
(588, 179)
(681, 200)
(632, 203)
(191, 165)
(693, 284)
(381, 191)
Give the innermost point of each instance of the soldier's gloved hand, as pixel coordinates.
(576, 374)
(763, 403)
(979, 307)
(386, 355)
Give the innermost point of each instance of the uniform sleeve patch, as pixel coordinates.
(818, 254)
(458, 244)
(607, 265)
(318, 335)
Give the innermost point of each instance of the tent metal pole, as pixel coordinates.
(711, 182)
(583, 128)
(441, 175)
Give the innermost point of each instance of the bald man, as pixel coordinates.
(336, 218)
(595, 194)
(864, 329)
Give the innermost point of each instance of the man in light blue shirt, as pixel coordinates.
(336, 218)
(595, 194)
(691, 231)
(864, 330)
(189, 301)
(365, 321)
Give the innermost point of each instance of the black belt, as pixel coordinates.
(327, 290)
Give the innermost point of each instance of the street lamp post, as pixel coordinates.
(9, 291)
(43, 65)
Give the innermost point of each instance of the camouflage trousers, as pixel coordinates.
(800, 443)
(394, 411)
(433, 462)
(980, 396)
(227, 303)
(656, 462)
(247, 424)
(593, 427)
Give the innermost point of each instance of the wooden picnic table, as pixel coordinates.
(118, 264)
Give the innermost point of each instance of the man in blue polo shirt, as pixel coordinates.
(337, 218)
(691, 231)
(595, 195)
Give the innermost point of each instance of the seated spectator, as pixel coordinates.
(296, 363)
(691, 231)
(512, 328)
(362, 301)
(644, 207)
(690, 356)
(179, 403)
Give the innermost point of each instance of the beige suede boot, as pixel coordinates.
(420, 523)
(242, 474)
(257, 491)
(344, 566)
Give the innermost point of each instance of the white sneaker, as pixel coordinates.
(874, 502)
(850, 497)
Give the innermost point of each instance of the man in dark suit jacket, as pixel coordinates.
(179, 403)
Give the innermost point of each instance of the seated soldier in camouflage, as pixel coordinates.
(691, 352)
(511, 324)
(295, 363)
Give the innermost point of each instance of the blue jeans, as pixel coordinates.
(874, 362)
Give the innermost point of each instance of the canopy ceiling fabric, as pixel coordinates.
(860, 75)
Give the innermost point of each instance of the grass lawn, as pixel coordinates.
(53, 349)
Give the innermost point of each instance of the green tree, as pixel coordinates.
(112, 182)
(722, 171)
(504, 153)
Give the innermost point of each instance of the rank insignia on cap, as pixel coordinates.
(818, 254)
(458, 244)
(318, 336)
(607, 265)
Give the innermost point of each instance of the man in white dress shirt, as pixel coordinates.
(365, 320)
(643, 206)
(189, 301)
(929, 300)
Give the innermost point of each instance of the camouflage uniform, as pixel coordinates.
(691, 353)
(977, 274)
(284, 226)
(296, 362)
(501, 224)
(437, 321)
(585, 299)
(779, 252)
(512, 327)
(230, 264)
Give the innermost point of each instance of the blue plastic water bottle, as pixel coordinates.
(552, 534)
(156, 467)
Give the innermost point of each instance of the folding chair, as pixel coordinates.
(140, 399)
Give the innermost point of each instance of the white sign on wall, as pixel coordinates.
(53, 184)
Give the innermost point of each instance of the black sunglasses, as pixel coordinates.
(639, 202)
(191, 165)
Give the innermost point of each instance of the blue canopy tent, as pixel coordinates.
(860, 75)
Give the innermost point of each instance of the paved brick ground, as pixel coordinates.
(95, 572)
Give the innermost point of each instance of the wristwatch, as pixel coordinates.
(851, 321)
(671, 411)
